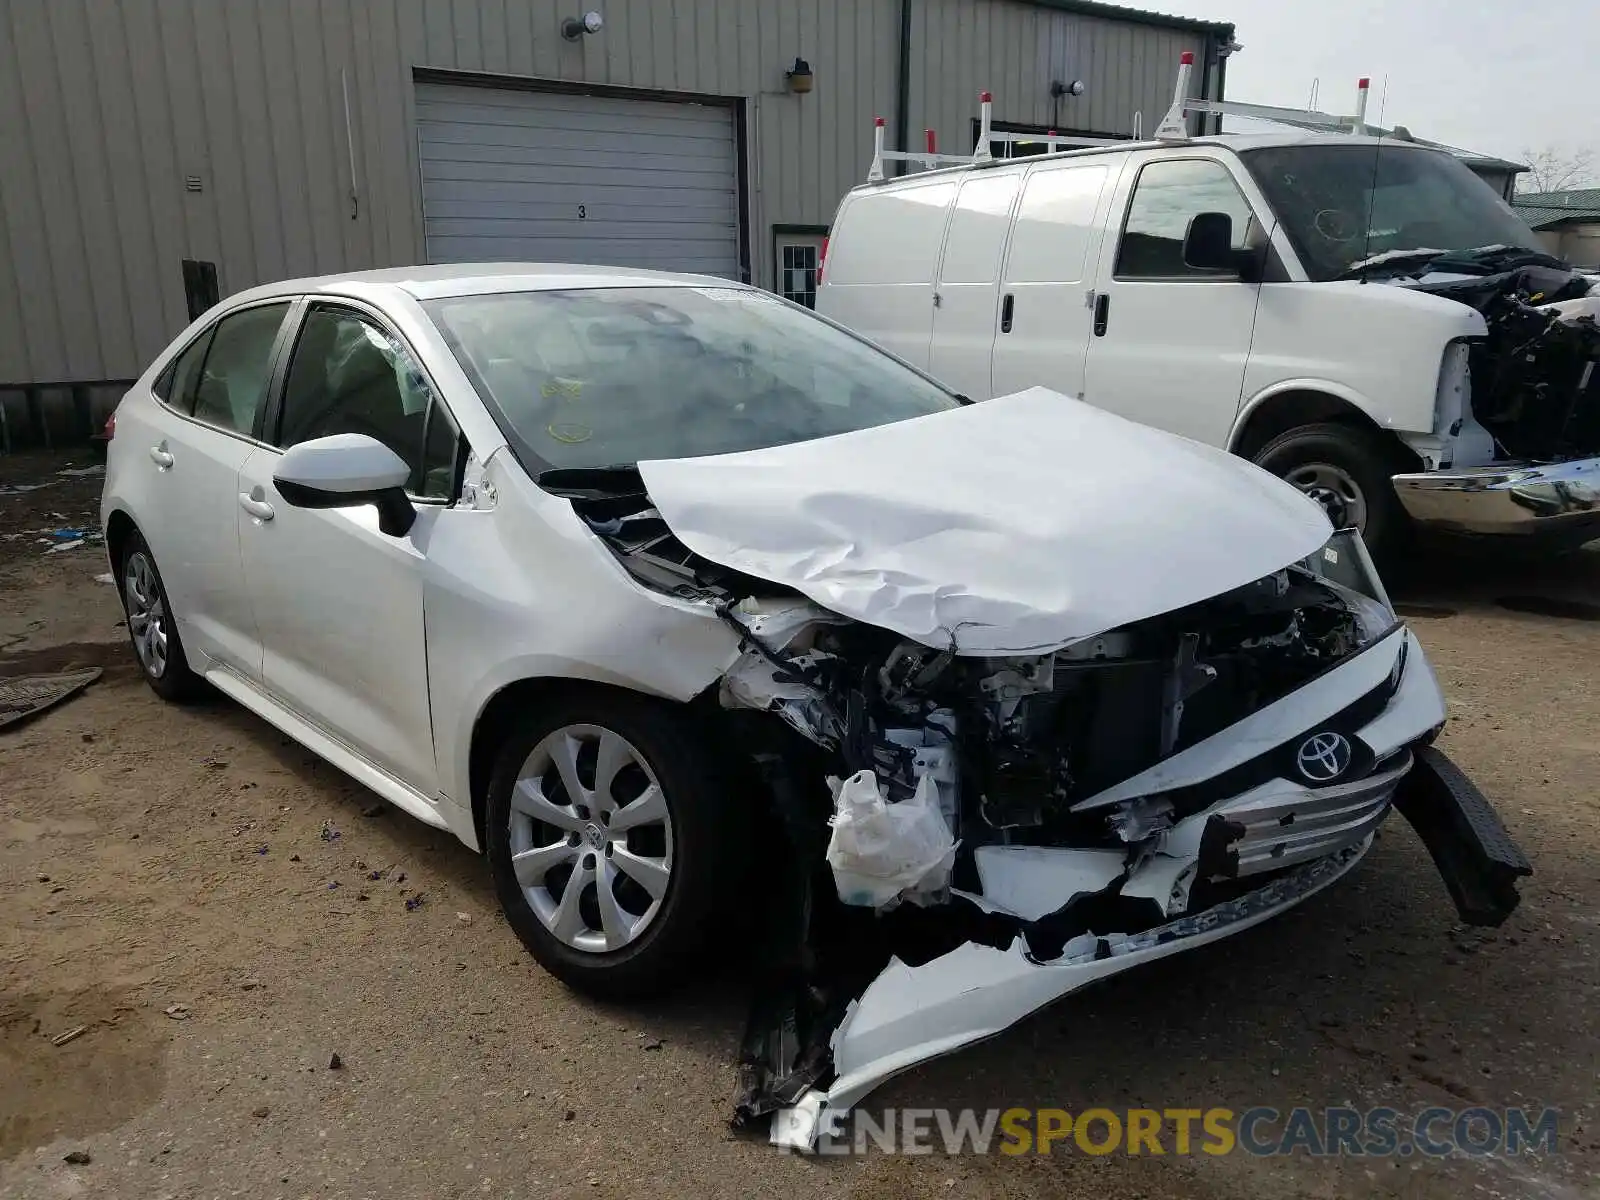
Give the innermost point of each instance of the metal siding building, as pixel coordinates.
(275, 138)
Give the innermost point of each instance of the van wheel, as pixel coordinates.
(610, 840)
(1347, 470)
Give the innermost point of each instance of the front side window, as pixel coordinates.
(1166, 198)
(1341, 205)
(232, 386)
(607, 376)
(348, 375)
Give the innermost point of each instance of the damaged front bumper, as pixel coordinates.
(1555, 501)
(1040, 922)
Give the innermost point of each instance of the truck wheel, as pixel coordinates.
(612, 842)
(1348, 471)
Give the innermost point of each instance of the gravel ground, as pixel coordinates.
(224, 913)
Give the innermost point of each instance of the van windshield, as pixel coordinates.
(599, 377)
(1343, 205)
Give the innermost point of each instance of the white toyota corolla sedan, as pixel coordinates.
(712, 625)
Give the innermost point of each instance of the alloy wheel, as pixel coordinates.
(147, 615)
(590, 838)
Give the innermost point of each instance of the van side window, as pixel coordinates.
(1166, 198)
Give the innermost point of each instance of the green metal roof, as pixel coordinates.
(1136, 16)
(1546, 210)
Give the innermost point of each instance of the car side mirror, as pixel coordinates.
(347, 470)
(1208, 244)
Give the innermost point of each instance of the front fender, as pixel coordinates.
(1379, 347)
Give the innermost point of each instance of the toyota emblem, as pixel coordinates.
(1323, 757)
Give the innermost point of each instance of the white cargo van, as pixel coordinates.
(1362, 316)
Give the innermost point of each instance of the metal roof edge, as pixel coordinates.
(1135, 16)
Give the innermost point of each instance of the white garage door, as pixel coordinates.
(544, 177)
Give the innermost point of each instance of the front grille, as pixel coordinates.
(1286, 823)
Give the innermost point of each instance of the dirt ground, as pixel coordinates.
(223, 914)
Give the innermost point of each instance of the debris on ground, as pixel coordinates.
(335, 1063)
(653, 1044)
(25, 696)
(249, 985)
(261, 1111)
(78, 1158)
(329, 833)
(414, 902)
(332, 883)
(261, 849)
(178, 1012)
(105, 577)
(374, 810)
(294, 858)
(464, 918)
(61, 1039)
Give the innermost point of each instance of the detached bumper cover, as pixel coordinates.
(1476, 857)
(1559, 500)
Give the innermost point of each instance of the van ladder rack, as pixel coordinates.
(1173, 127)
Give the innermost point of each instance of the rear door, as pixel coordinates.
(1171, 342)
(1046, 307)
(211, 402)
(966, 312)
(882, 255)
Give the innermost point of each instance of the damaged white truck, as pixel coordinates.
(716, 627)
(1362, 316)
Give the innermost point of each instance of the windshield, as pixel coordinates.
(1342, 205)
(610, 376)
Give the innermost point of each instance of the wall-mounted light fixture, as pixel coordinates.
(799, 77)
(1060, 88)
(573, 28)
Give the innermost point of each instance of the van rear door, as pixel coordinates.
(1045, 316)
(883, 251)
(966, 299)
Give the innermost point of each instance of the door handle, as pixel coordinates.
(1102, 312)
(259, 509)
(1006, 307)
(160, 456)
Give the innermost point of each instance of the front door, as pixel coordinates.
(338, 602)
(1170, 342)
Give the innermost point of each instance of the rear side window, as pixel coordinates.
(1167, 197)
(891, 236)
(233, 381)
(1056, 224)
(348, 375)
(177, 383)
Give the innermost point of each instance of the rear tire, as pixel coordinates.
(152, 626)
(1348, 471)
(665, 874)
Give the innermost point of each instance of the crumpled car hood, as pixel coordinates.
(1012, 526)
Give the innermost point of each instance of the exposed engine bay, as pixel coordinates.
(1535, 387)
(956, 821)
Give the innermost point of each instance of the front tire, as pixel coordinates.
(610, 841)
(152, 627)
(1348, 470)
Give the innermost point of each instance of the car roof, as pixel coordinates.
(476, 279)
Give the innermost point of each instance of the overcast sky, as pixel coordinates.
(1495, 76)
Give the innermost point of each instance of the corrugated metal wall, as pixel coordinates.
(106, 106)
(1015, 51)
